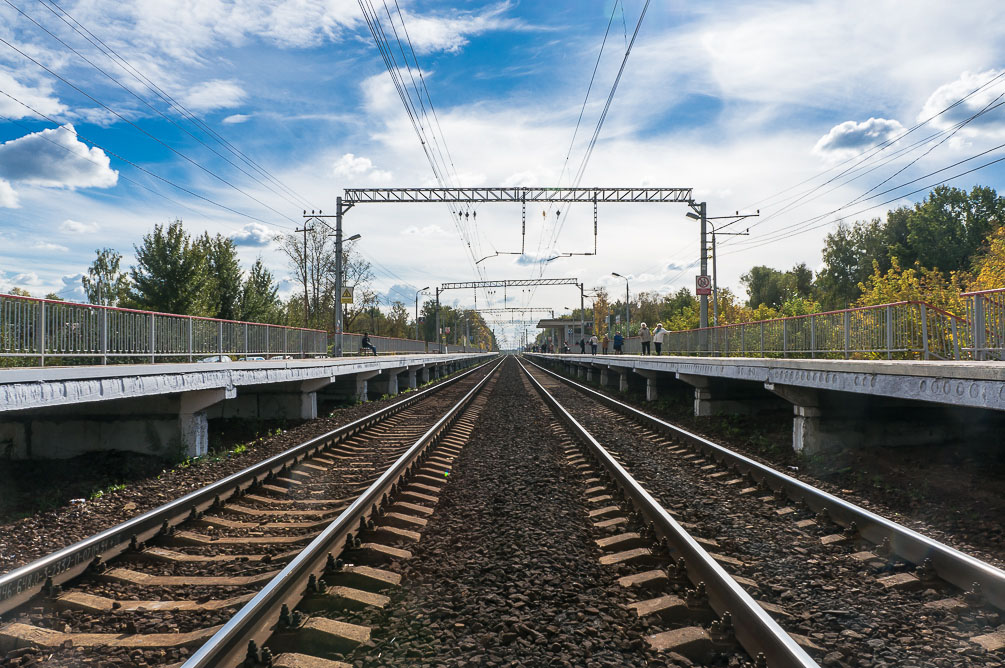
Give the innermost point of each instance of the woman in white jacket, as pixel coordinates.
(658, 334)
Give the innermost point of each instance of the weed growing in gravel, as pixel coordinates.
(97, 494)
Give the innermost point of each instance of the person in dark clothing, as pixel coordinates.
(582, 346)
(365, 344)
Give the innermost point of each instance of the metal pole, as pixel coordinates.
(417, 314)
(338, 277)
(467, 332)
(582, 314)
(439, 347)
(703, 308)
(715, 285)
(924, 332)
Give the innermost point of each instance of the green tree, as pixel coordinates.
(848, 256)
(224, 287)
(259, 296)
(104, 283)
(171, 272)
(764, 286)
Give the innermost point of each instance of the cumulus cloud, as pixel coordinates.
(451, 33)
(967, 83)
(253, 234)
(215, 94)
(39, 98)
(55, 158)
(849, 138)
(70, 226)
(49, 246)
(8, 198)
(72, 288)
(351, 167)
(236, 118)
(29, 278)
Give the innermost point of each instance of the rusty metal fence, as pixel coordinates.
(42, 329)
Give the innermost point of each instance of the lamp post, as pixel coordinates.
(715, 265)
(417, 293)
(627, 329)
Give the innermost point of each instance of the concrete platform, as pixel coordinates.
(833, 402)
(164, 409)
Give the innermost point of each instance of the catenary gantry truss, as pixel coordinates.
(472, 195)
(514, 283)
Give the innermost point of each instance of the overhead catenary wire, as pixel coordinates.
(151, 107)
(132, 71)
(144, 132)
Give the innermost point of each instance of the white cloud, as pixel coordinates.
(70, 226)
(425, 231)
(236, 118)
(253, 234)
(850, 138)
(72, 288)
(39, 98)
(965, 85)
(450, 34)
(359, 169)
(215, 94)
(8, 198)
(55, 158)
(29, 278)
(49, 246)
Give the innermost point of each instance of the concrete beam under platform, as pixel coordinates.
(164, 409)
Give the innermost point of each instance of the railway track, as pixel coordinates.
(849, 587)
(153, 590)
(535, 522)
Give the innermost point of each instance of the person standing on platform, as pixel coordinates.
(582, 345)
(618, 342)
(593, 344)
(606, 343)
(646, 336)
(658, 335)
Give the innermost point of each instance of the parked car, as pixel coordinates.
(253, 358)
(217, 358)
(281, 357)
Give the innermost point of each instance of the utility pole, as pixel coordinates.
(439, 347)
(307, 301)
(417, 292)
(337, 319)
(715, 265)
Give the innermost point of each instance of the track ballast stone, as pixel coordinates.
(507, 571)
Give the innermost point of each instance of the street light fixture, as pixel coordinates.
(627, 328)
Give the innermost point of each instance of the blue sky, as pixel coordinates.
(739, 101)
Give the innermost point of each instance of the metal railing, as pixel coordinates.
(44, 328)
(901, 330)
(986, 310)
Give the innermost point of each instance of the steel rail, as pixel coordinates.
(258, 619)
(21, 584)
(754, 628)
(950, 564)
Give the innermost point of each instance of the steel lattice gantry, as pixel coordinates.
(472, 195)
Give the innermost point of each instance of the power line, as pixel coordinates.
(148, 134)
(129, 69)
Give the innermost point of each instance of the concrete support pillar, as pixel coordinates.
(425, 375)
(605, 377)
(412, 378)
(589, 374)
(193, 424)
(623, 382)
(653, 381)
(350, 387)
(385, 383)
(719, 399)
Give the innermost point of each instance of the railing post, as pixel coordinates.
(104, 336)
(889, 333)
(956, 338)
(743, 341)
(785, 338)
(762, 339)
(847, 334)
(245, 339)
(813, 336)
(190, 338)
(980, 334)
(219, 338)
(41, 333)
(153, 335)
(924, 332)
(286, 341)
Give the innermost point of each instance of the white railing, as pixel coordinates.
(986, 310)
(43, 328)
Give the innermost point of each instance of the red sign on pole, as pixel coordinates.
(702, 285)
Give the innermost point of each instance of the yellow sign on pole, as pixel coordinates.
(347, 295)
